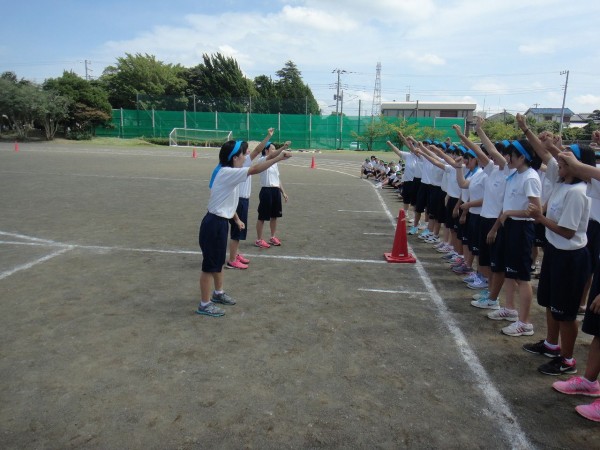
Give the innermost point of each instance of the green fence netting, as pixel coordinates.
(305, 131)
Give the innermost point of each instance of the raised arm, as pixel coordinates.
(259, 148)
(279, 150)
(482, 157)
(533, 139)
(581, 170)
(491, 148)
(431, 157)
(264, 165)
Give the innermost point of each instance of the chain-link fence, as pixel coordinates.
(305, 131)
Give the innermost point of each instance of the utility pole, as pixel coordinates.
(87, 75)
(336, 97)
(562, 110)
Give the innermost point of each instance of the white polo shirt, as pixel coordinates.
(224, 195)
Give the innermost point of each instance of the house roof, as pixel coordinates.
(499, 116)
(428, 105)
(547, 111)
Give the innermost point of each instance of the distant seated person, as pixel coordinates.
(366, 169)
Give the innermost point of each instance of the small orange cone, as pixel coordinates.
(194, 153)
(312, 164)
(399, 252)
(16, 146)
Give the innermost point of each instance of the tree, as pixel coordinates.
(267, 98)
(18, 104)
(88, 103)
(219, 85)
(51, 109)
(142, 81)
(377, 130)
(296, 96)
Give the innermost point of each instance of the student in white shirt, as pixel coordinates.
(212, 237)
(239, 224)
(566, 258)
(271, 191)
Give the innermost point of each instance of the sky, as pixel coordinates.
(501, 54)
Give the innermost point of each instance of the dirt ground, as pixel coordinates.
(329, 346)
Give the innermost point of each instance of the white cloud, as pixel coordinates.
(588, 100)
(544, 47)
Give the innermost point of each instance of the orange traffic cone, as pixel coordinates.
(16, 146)
(399, 252)
(312, 164)
(194, 153)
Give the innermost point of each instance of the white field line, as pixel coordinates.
(387, 291)
(498, 410)
(354, 211)
(29, 265)
(103, 248)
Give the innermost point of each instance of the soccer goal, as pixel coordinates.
(191, 137)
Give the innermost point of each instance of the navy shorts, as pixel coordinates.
(473, 223)
(485, 250)
(416, 187)
(540, 235)
(562, 278)
(593, 244)
(462, 232)
(591, 321)
(242, 212)
(407, 188)
(519, 236)
(422, 197)
(497, 262)
(212, 238)
(450, 221)
(269, 206)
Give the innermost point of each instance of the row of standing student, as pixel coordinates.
(488, 199)
(230, 189)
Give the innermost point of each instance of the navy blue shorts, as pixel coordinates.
(242, 212)
(562, 278)
(593, 244)
(540, 235)
(519, 236)
(473, 223)
(436, 207)
(269, 206)
(462, 232)
(415, 191)
(450, 221)
(497, 262)
(212, 238)
(591, 321)
(422, 197)
(407, 188)
(485, 250)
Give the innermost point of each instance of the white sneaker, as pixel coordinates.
(432, 239)
(518, 329)
(479, 283)
(504, 314)
(424, 234)
(471, 277)
(485, 303)
(423, 225)
(483, 294)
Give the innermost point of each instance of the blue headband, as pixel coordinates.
(506, 143)
(462, 149)
(444, 146)
(470, 153)
(576, 151)
(522, 151)
(236, 148)
(267, 145)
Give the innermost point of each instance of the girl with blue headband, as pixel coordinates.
(565, 266)
(271, 191)
(588, 383)
(239, 224)
(515, 232)
(222, 204)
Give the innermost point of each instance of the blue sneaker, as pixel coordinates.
(413, 230)
(210, 310)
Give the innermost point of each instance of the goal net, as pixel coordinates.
(191, 137)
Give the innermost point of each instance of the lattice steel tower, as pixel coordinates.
(376, 109)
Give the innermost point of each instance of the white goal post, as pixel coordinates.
(191, 137)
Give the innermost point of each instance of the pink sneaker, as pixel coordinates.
(274, 241)
(235, 265)
(591, 411)
(577, 385)
(241, 259)
(261, 243)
